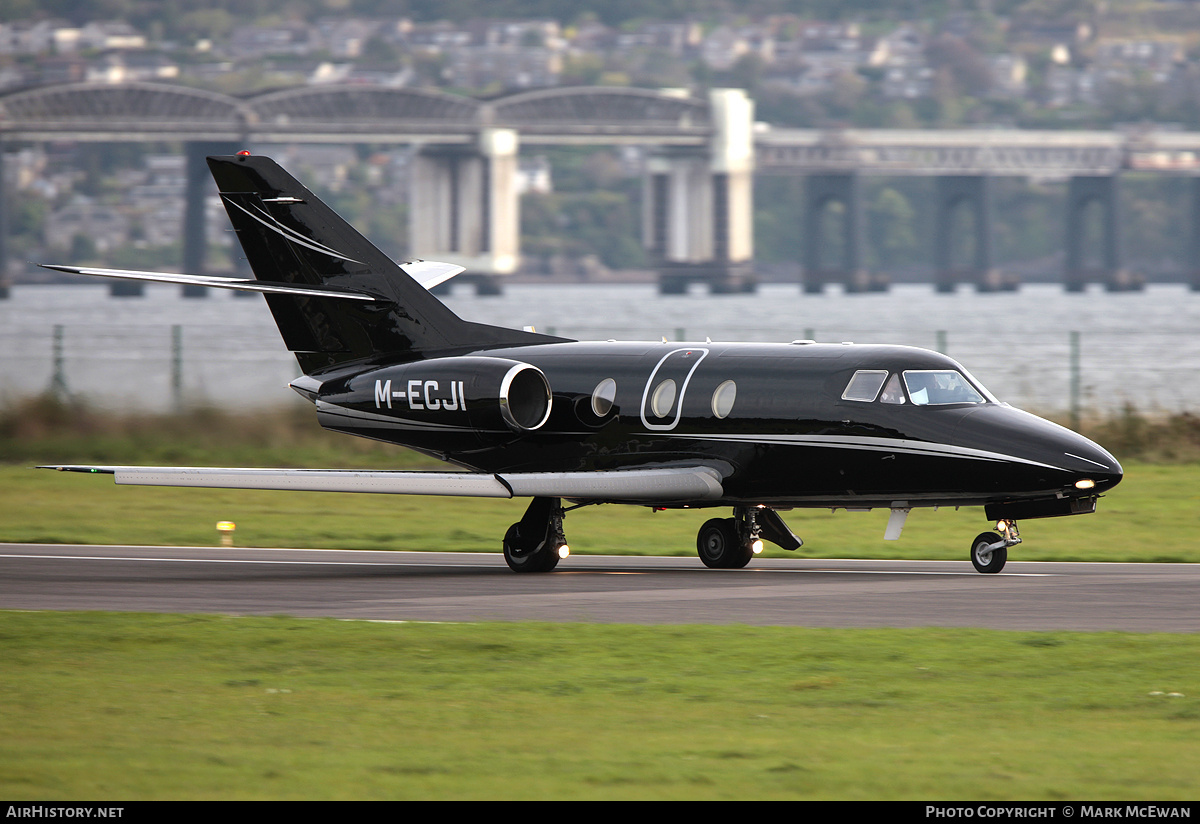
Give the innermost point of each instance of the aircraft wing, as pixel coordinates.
(644, 485)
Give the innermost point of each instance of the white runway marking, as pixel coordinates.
(966, 573)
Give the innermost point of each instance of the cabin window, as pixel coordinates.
(865, 385)
(663, 398)
(603, 396)
(893, 393)
(938, 386)
(723, 398)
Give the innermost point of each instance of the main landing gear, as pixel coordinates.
(989, 551)
(730, 543)
(536, 543)
(721, 547)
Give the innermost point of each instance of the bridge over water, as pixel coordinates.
(698, 181)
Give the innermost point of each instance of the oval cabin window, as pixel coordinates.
(663, 398)
(603, 397)
(723, 398)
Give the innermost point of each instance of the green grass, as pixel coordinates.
(96, 706)
(1149, 517)
(174, 707)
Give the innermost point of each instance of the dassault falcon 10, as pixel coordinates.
(756, 427)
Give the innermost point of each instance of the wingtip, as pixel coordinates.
(93, 470)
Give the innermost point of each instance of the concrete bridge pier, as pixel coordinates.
(1193, 261)
(973, 194)
(698, 204)
(687, 224)
(4, 276)
(464, 207)
(199, 184)
(836, 196)
(1086, 194)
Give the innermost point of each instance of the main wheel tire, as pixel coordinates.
(549, 559)
(522, 558)
(719, 547)
(983, 557)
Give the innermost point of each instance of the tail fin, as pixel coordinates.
(290, 236)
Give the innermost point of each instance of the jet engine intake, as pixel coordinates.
(481, 393)
(525, 398)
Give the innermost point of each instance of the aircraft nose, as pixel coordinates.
(1097, 469)
(1080, 462)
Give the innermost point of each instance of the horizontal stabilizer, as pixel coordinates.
(650, 485)
(430, 273)
(239, 284)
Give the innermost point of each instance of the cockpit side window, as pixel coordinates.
(893, 393)
(865, 385)
(927, 387)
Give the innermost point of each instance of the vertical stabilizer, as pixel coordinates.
(290, 236)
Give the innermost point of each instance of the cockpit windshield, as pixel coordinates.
(921, 387)
(938, 386)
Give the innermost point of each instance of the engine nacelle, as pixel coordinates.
(481, 393)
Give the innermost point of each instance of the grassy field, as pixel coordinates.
(116, 707)
(1151, 516)
(179, 707)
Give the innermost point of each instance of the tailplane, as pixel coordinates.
(290, 237)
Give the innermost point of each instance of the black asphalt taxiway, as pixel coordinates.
(433, 586)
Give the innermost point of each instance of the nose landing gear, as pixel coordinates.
(989, 551)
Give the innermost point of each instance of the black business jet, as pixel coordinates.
(753, 426)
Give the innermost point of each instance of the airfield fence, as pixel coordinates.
(170, 367)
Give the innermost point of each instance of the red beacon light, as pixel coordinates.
(244, 153)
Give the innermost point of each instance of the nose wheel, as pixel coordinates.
(989, 551)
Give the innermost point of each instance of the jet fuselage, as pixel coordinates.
(772, 417)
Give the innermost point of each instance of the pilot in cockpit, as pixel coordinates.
(892, 393)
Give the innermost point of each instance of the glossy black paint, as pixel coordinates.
(407, 370)
(790, 440)
(758, 427)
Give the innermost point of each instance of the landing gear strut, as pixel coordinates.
(536, 543)
(989, 551)
(730, 543)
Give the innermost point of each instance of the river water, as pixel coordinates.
(1141, 348)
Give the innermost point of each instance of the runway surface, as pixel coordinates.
(430, 586)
